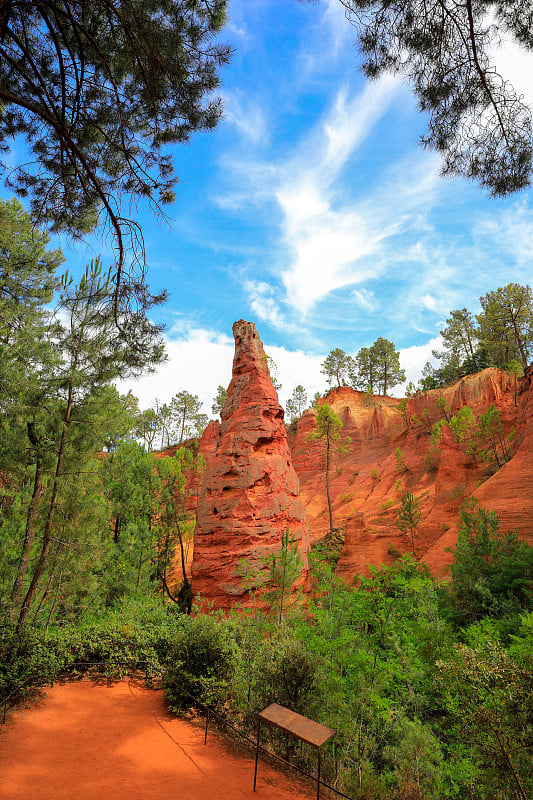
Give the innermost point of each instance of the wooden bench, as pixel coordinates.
(300, 727)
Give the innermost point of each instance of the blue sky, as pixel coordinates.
(313, 211)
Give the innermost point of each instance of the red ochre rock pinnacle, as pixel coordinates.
(250, 493)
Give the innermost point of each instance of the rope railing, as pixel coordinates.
(209, 712)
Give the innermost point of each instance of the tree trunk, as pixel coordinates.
(28, 538)
(327, 484)
(520, 345)
(30, 594)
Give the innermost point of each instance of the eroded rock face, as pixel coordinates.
(250, 493)
(385, 452)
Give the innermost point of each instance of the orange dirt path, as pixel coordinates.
(94, 741)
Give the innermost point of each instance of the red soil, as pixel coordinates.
(118, 741)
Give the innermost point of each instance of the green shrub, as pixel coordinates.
(202, 662)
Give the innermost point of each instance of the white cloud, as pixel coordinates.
(413, 359)
(335, 18)
(515, 64)
(266, 305)
(429, 302)
(245, 115)
(328, 240)
(297, 367)
(198, 361)
(366, 299)
(511, 232)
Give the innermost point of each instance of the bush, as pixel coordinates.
(135, 631)
(201, 664)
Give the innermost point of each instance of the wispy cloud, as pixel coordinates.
(366, 299)
(511, 232)
(245, 115)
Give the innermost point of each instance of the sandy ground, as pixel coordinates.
(93, 741)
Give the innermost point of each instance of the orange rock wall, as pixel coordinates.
(366, 481)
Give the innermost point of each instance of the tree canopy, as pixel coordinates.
(98, 90)
(477, 121)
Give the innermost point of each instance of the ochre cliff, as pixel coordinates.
(250, 492)
(384, 451)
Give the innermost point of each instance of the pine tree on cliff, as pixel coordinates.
(336, 368)
(363, 373)
(328, 431)
(409, 516)
(220, 400)
(378, 366)
(506, 324)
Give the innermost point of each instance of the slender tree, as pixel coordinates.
(220, 400)
(328, 431)
(387, 364)
(336, 368)
(186, 417)
(409, 516)
(297, 403)
(93, 352)
(363, 373)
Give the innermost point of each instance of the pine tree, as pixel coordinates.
(328, 431)
(409, 516)
(297, 403)
(336, 368)
(386, 361)
(506, 324)
(100, 89)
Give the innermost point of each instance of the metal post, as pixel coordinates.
(257, 750)
(206, 724)
(318, 777)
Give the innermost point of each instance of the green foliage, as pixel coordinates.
(336, 368)
(284, 569)
(135, 630)
(220, 400)
(186, 417)
(488, 694)
(431, 459)
(493, 571)
(515, 369)
(297, 403)
(409, 516)
(83, 77)
(201, 663)
(374, 474)
(399, 459)
(506, 324)
(403, 410)
(491, 443)
(378, 367)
